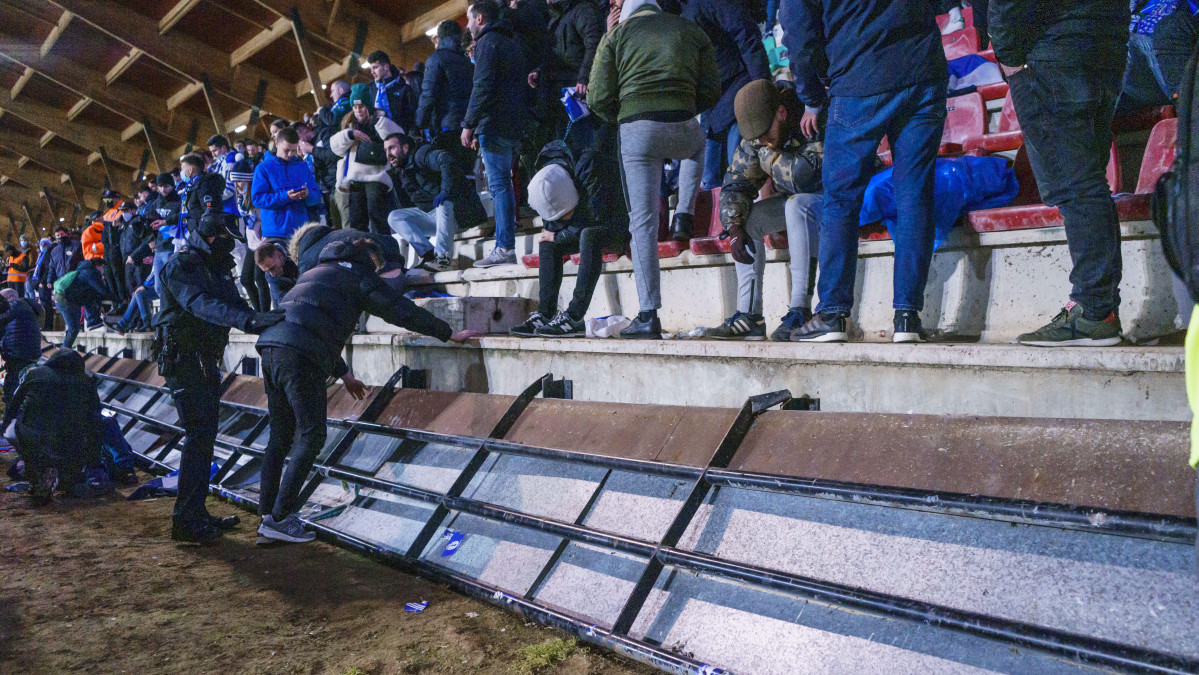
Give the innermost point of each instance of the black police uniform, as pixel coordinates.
(199, 305)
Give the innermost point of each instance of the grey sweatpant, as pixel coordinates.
(644, 146)
(800, 216)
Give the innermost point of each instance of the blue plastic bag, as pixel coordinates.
(962, 184)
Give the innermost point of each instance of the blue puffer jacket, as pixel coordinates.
(22, 332)
(740, 54)
(281, 215)
(449, 76)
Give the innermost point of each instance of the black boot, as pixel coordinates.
(223, 524)
(682, 227)
(645, 326)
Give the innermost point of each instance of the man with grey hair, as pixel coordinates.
(325, 123)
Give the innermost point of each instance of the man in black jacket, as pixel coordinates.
(300, 353)
(1063, 63)
(741, 59)
(390, 92)
(887, 77)
(201, 189)
(493, 121)
(200, 303)
(114, 258)
(21, 341)
(575, 27)
(306, 244)
(434, 179)
(449, 75)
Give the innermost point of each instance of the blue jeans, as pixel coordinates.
(139, 305)
(160, 259)
(718, 154)
(70, 316)
(1144, 85)
(499, 154)
(912, 118)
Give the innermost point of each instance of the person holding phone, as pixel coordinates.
(284, 189)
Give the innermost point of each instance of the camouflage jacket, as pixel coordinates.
(795, 169)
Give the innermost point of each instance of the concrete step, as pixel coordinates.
(1131, 383)
(989, 287)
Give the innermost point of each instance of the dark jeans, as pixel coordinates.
(295, 394)
(195, 389)
(253, 280)
(12, 375)
(47, 299)
(912, 119)
(590, 243)
(369, 205)
(1173, 43)
(1066, 115)
(114, 279)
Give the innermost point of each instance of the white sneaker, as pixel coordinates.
(954, 26)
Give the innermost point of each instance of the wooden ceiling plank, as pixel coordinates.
(122, 65)
(21, 82)
(185, 55)
(56, 32)
(259, 42)
(84, 135)
(175, 14)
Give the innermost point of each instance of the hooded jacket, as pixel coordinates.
(740, 55)
(204, 187)
(22, 334)
(64, 255)
(576, 27)
(279, 214)
(344, 145)
(56, 408)
(445, 92)
(430, 170)
(307, 243)
(92, 241)
(499, 97)
(1083, 32)
(322, 310)
(87, 289)
(653, 62)
(861, 48)
(200, 301)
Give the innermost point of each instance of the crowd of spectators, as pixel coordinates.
(675, 97)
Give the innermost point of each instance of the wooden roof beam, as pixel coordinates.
(84, 135)
(54, 160)
(21, 82)
(121, 66)
(56, 32)
(260, 41)
(186, 56)
(175, 14)
(128, 101)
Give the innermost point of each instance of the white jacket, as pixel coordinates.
(344, 145)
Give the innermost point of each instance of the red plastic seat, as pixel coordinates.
(531, 261)
(961, 43)
(1007, 135)
(1159, 156)
(965, 118)
(711, 244)
(989, 55)
(993, 91)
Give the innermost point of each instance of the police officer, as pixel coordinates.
(199, 306)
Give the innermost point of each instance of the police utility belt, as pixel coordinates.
(174, 359)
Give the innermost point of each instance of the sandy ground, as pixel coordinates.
(96, 586)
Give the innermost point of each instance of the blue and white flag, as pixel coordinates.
(972, 70)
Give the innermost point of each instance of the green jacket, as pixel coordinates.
(653, 62)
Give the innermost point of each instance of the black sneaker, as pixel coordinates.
(118, 326)
(645, 326)
(908, 327)
(794, 319)
(194, 533)
(739, 326)
(223, 524)
(682, 226)
(563, 326)
(530, 326)
(822, 328)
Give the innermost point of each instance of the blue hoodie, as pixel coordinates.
(280, 215)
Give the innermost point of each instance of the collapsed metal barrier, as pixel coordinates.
(361, 444)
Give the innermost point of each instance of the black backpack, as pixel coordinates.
(1176, 196)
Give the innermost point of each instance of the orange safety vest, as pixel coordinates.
(16, 276)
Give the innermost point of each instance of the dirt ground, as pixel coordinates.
(96, 586)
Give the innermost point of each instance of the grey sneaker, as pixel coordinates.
(290, 529)
(530, 327)
(1071, 329)
(498, 256)
(739, 326)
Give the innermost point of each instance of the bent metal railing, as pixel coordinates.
(147, 418)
